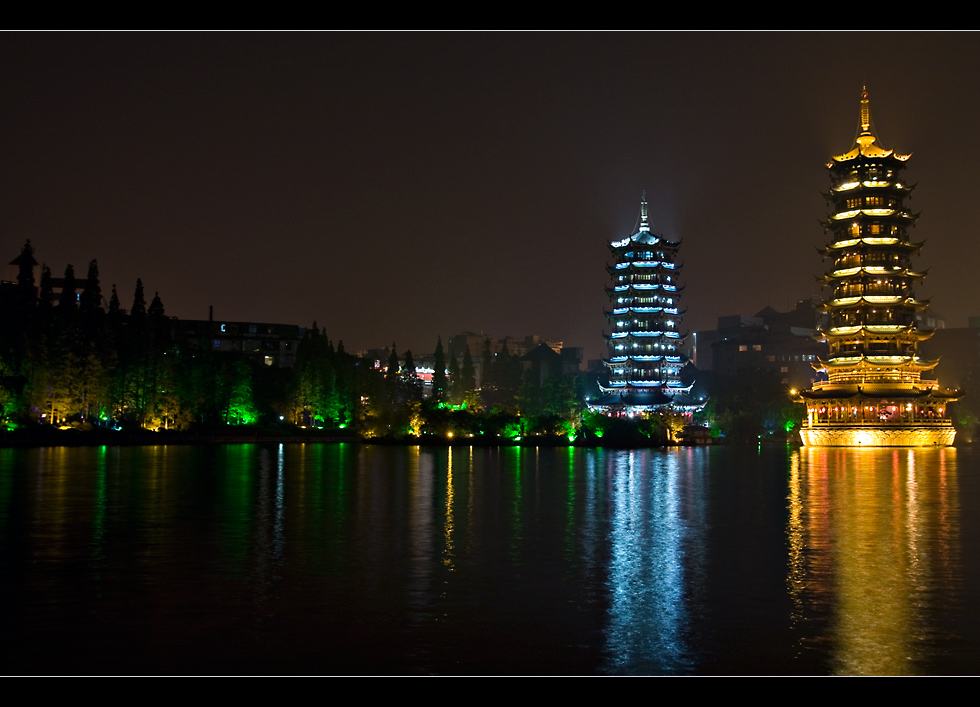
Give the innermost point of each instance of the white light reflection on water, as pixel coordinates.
(648, 616)
(363, 559)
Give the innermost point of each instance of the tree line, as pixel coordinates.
(69, 359)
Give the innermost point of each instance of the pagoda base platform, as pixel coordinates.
(878, 436)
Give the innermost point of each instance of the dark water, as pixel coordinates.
(359, 559)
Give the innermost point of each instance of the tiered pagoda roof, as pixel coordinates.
(646, 339)
(873, 369)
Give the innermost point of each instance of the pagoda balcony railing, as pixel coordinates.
(870, 259)
(911, 422)
(871, 349)
(878, 383)
(882, 317)
(885, 289)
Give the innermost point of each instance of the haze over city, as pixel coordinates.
(395, 187)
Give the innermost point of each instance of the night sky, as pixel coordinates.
(394, 187)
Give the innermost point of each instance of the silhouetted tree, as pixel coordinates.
(67, 300)
(138, 310)
(413, 385)
(455, 383)
(114, 310)
(25, 277)
(467, 374)
(90, 302)
(439, 374)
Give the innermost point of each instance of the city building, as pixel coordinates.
(262, 343)
(646, 341)
(875, 394)
(780, 342)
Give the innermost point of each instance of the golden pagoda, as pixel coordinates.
(874, 394)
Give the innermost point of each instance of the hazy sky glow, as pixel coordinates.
(398, 186)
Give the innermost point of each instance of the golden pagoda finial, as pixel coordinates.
(866, 138)
(865, 111)
(864, 144)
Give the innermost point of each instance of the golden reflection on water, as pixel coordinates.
(447, 529)
(871, 534)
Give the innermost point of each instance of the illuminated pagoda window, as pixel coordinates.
(875, 393)
(645, 339)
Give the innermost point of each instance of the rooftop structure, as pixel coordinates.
(875, 394)
(779, 342)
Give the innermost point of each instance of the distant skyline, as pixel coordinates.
(399, 186)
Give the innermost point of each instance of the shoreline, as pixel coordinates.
(98, 438)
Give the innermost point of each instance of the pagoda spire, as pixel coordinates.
(866, 138)
(644, 218)
(865, 111)
(865, 145)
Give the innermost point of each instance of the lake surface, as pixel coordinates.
(359, 559)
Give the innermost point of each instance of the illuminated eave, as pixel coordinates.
(871, 328)
(866, 240)
(881, 364)
(865, 147)
(868, 183)
(841, 215)
(879, 300)
(895, 360)
(874, 270)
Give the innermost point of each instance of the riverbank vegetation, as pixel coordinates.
(69, 363)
